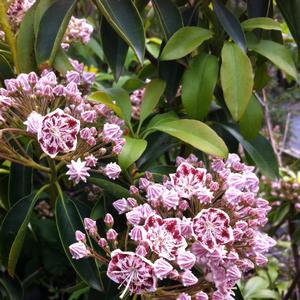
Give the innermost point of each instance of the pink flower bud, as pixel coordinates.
(34, 122)
(91, 161)
(111, 132)
(186, 259)
(111, 235)
(73, 76)
(141, 250)
(89, 223)
(89, 116)
(102, 242)
(112, 170)
(201, 296)
(121, 206)
(132, 202)
(184, 296)
(32, 78)
(109, 220)
(162, 268)
(80, 236)
(133, 190)
(188, 278)
(78, 250)
(137, 233)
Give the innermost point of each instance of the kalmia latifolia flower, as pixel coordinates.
(199, 228)
(67, 127)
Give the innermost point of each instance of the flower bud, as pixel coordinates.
(162, 268)
(111, 235)
(78, 250)
(188, 278)
(80, 236)
(109, 220)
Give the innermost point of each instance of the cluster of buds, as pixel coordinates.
(136, 101)
(78, 30)
(199, 228)
(286, 189)
(57, 115)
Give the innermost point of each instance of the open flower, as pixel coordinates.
(78, 171)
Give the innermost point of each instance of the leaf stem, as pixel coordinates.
(9, 36)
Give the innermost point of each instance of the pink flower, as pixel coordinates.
(133, 271)
(34, 122)
(163, 236)
(185, 259)
(184, 296)
(212, 228)
(109, 220)
(91, 161)
(80, 236)
(112, 170)
(162, 268)
(121, 205)
(58, 133)
(78, 171)
(79, 250)
(188, 278)
(111, 132)
(89, 223)
(111, 235)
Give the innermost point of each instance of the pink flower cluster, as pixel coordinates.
(136, 102)
(66, 125)
(199, 228)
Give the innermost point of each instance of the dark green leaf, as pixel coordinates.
(111, 188)
(169, 17)
(258, 8)
(184, 41)
(259, 150)
(115, 49)
(12, 286)
(125, 19)
(290, 10)
(198, 94)
(25, 43)
(236, 79)
(231, 24)
(252, 119)
(68, 220)
(197, 134)
(6, 70)
(51, 29)
(61, 62)
(131, 152)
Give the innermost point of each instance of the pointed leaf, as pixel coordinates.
(230, 24)
(197, 134)
(169, 17)
(125, 19)
(262, 23)
(131, 152)
(258, 8)
(51, 29)
(61, 62)
(153, 91)
(197, 94)
(252, 119)
(259, 150)
(184, 41)
(68, 220)
(115, 49)
(277, 54)
(6, 69)
(236, 79)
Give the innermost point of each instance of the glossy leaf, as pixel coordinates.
(153, 91)
(169, 17)
(252, 119)
(51, 29)
(197, 134)
(277, 54)
(68, 220)
(125, 19)
(290, 10)
(254, 285)
(12, 286)
(258, 8)
(61, 62)
(184, 41)
(115, 49)
(25, 43)
(111, 188)
(259, 150)
(262, 23)
(131, 152)
(230, 24)
(236, 79)
(198, 85)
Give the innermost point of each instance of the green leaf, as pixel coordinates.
(18, 242)
(153, 91)
(61, 62)
(236, 79)
(68, 220)
(169, 17)
(252, 119)
(197, 134)
(290, 10)
(260, 151)
(198, 94)
(262, 23)
(231, 24)
(111, 188)
(266, 294)
(258, 8)
(25, 43)
(12, 286)
(115, 49)
(253, 285)
(51, 29)
(131, 152)
(277, 54)
(125, 19)
(184, 41)
(6, 70)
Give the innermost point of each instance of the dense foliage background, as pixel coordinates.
(210, 70)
